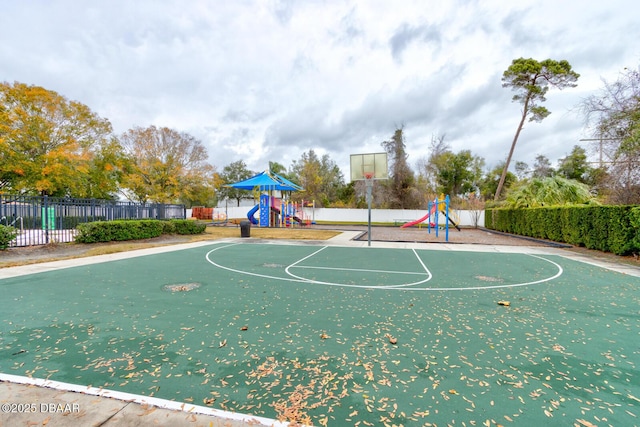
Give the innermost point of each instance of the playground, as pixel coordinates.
(333, 334)
(273, 209)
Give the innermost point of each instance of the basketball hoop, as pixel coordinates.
(368, 178)
(369, 167)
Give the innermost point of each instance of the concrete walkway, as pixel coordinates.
(31, 402)
(37, 402)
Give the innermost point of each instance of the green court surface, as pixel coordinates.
(340, 336)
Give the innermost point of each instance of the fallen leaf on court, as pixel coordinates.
(450, 340)
(585, 423)
(392, 339)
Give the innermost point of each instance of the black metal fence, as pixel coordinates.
(42, 220)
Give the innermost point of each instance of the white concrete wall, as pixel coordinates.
(359, 215)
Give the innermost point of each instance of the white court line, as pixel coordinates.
(509, 285)
(295, 278)
(406, 286)
(428, 273)
(172, 405)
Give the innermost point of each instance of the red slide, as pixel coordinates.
(418, 221)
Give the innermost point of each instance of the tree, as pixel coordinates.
(52, 146)
(401, 191)
(531, 80)
(320, 177)
(459, 173)
(490, 181)
(346, 196)
(277, 168)
(549, 191)
(575, 165)
(614, 117)
(542, 167)
(428, 168)
(106, 171)
(166, 166)
(522, 170)
(232, 173)
(202, 191)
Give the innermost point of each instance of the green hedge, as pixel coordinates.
(613, 229)
(108, 231)
(7, 234)
(186, 226)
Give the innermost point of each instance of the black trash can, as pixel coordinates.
(245, 229)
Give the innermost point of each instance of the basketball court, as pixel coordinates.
(334, 333)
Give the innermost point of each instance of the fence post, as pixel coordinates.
(45, 218)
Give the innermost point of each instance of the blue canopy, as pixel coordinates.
(265, 181)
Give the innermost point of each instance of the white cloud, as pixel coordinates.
(267, 80)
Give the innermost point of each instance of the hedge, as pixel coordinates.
(613, 229)
(7, 234)
(108, 231)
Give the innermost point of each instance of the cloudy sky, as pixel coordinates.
(266, 80)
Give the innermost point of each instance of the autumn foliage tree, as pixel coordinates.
(319, 176)
(52, 146)
(166, 166)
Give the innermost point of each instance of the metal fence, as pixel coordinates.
(42, 220)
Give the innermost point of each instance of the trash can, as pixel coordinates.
(245, 229)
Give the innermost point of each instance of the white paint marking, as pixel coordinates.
(405, 286)
(172, 405)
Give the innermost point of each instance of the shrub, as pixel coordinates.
(107, 231)
(7, 234)
(634, 218)
(168, 227)
(185, 226)
(605, 228)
